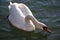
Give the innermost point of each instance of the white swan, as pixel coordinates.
(21, 17)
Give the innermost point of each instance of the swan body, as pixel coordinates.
(21, 17)
(18, 12)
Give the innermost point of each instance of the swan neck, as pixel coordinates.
(33, 19)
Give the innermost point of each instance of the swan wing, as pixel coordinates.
(16, 17)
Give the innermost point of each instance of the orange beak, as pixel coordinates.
(47, 30)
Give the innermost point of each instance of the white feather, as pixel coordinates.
(18, 14)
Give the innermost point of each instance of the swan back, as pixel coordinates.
(26, 11)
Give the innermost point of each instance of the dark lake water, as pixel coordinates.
(46, 11)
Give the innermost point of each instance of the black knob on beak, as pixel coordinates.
(46, 29)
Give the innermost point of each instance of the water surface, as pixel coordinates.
(46, 11)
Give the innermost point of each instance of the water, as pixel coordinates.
(46, 11)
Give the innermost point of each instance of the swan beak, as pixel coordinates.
(46, 29)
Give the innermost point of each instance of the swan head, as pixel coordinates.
(44, 27)
(38, 24)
